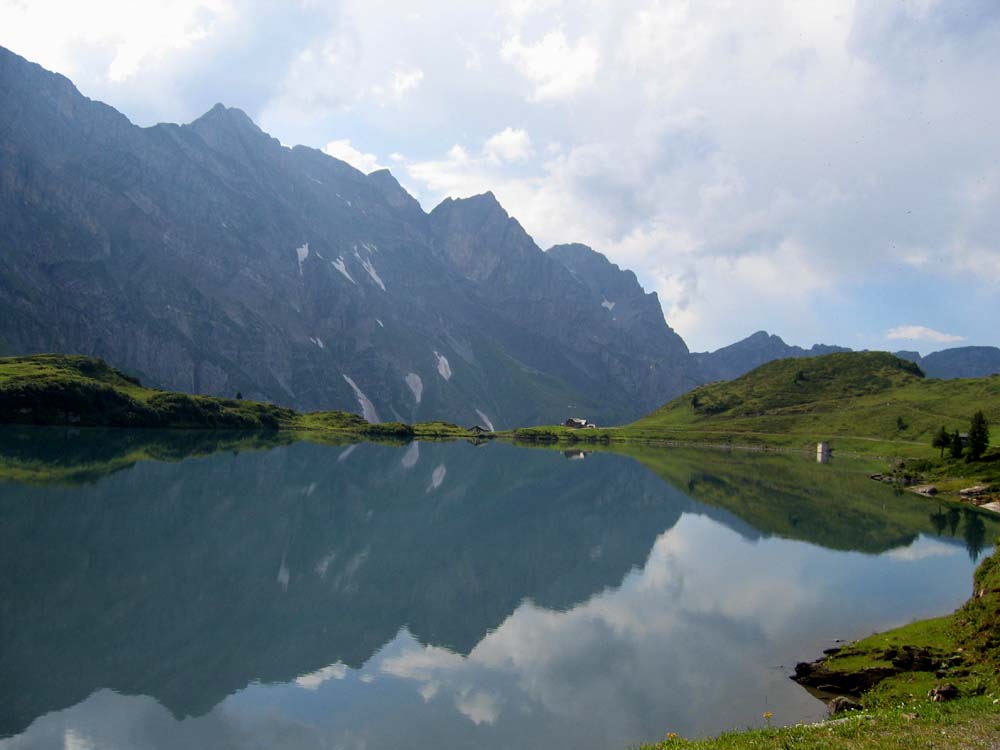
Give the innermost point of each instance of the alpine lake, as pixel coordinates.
(204, 590)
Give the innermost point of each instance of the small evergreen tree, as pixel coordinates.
(956, 445)
(901, 424)
(941, 440)
(239, 395)
(979, 435)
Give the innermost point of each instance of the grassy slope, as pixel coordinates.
(54, 389)
(897, 712)
(852, 400)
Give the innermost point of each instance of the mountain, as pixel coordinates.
(736, 359)
(960, 362)
(208, 258)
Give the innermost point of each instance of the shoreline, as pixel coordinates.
(920, 685)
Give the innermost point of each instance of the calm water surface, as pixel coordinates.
(436, 595)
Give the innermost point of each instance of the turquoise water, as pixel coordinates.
(437, 595)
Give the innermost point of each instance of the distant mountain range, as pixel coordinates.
(960, 362)
(209, 258)
(736, 359)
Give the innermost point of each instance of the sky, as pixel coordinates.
(828, 171)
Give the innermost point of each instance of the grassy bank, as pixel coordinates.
(69, 390)
(961, 650)
(863, 403)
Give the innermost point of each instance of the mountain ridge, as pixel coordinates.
(209, 258)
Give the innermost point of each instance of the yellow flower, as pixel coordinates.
(768, 715)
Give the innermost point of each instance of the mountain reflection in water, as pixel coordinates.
(436, 595)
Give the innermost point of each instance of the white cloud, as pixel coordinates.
(401, 82)
(404, 81)
(923, 548)
(343, 150)
(690, 134)
(509, 145)
(313, 680)
(921, 333)
(478, 706)
(556, 67)
(131, 36)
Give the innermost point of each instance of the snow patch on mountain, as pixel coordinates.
(302, 253)
(318, 341)
(444, 368)
(367, 265)
(284, 574)
(416, 385)
(608, 305)
(380, 323)
(342, 267)
(346, 453)
(411, 456)
(486, 421)
(324, 562)
(437, 477)
(367, 407)
(369, 246)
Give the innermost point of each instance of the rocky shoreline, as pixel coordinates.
(980, 495)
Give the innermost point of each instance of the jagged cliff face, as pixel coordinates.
(209, 258)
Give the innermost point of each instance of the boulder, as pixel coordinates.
(941, 693)
(978, 489)
(841, 703)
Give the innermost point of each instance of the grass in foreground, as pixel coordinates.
(965, 723)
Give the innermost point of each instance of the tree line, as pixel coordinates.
(972, 446)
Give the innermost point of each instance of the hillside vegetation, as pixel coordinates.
(869, 402)
(71, 390)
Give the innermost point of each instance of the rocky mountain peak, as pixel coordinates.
(231, 131)
(597, 272)
(481, 239)
(394, 193)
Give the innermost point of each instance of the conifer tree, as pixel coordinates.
(979, 435)
(956, 445)
(941, 440)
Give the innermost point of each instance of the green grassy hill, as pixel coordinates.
(850, 398)
(72, 390)
(49, 389)
(867, 402)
